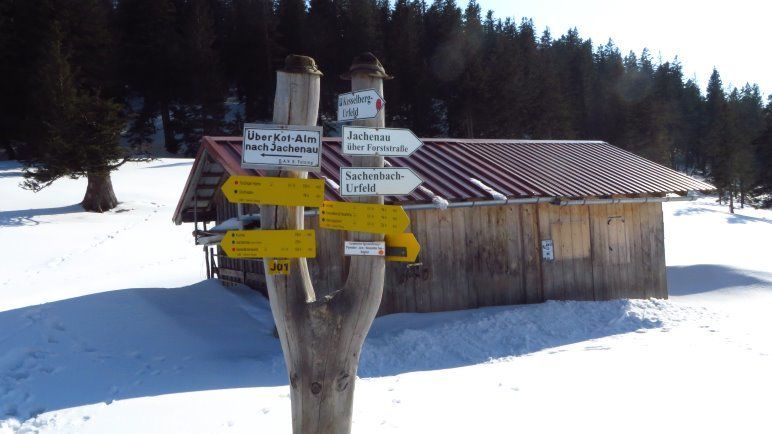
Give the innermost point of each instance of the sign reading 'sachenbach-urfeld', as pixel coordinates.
(377, 181)
(388, 142)
(362, 104)
(290, 147)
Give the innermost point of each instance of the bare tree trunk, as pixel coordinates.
(170, 142)
(731, 201)
(321, 332)
(100, 196)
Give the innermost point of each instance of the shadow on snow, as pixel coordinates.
(162, 166)
(26, 217)
(132, 343)
(730, 218)
(145, 342)
(701, 278)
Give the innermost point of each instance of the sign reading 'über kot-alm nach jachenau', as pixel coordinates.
(282, 147)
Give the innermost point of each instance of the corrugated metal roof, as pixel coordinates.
(514, 168)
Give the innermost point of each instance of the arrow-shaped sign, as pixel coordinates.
(362, 104)
(402, 247)
(293, 147)
(270, 244)
(274, 191)
(389, 142)
(363, 217)
(377, 181)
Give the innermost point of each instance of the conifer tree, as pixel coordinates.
(324, 26)
(409, 99)
(150, 47)
(201, 110)
(763, 147)
(552, 119)
(291, 26)
(75, 133)
(250, 53)
(716, 137)
(692, 106)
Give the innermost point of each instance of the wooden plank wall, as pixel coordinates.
(628, 251)
(485, 256)
(569, 276)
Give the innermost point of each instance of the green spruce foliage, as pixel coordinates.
(187, 68)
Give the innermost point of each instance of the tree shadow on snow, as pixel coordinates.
(26, 217)
(730, 218)
(10, 169)
(701, 278)
(146, 342)
(162, 166)
(419, 342)
(132, 343)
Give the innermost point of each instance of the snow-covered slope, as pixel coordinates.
(108, 326)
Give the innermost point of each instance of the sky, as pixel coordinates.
(734, 36)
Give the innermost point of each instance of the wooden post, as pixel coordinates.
(321, 338)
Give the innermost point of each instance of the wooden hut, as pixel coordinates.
(499, 222)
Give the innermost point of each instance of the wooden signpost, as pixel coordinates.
(363, 217)
(322, 329)
(269, 244)
(274, 191)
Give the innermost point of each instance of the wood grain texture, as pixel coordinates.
(483, 256)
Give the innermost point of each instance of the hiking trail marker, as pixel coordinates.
(377, 181)
(363, 217)
(270, 243)
(360, 104)
(387, 142)
(279, 267)
(290, 147)
(402, 247)
(364, 248)
(274, 191)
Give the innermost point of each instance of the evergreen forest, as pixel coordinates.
(80, 77)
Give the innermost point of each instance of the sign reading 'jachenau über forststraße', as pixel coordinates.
(388, 142)
(282, 147)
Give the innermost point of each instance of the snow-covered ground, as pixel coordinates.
(108, 326)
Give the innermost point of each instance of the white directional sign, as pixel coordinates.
(290, 147)
(377, 181)
(389, 142)
(362, 104)
(364, 248)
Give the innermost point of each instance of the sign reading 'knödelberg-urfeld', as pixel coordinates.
(388, 142)
(362, 104)
(282, 147)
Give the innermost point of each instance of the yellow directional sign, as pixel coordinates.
(274, 191)
(279, 266)
(270, 244)
(363, 217)
(402, 247)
